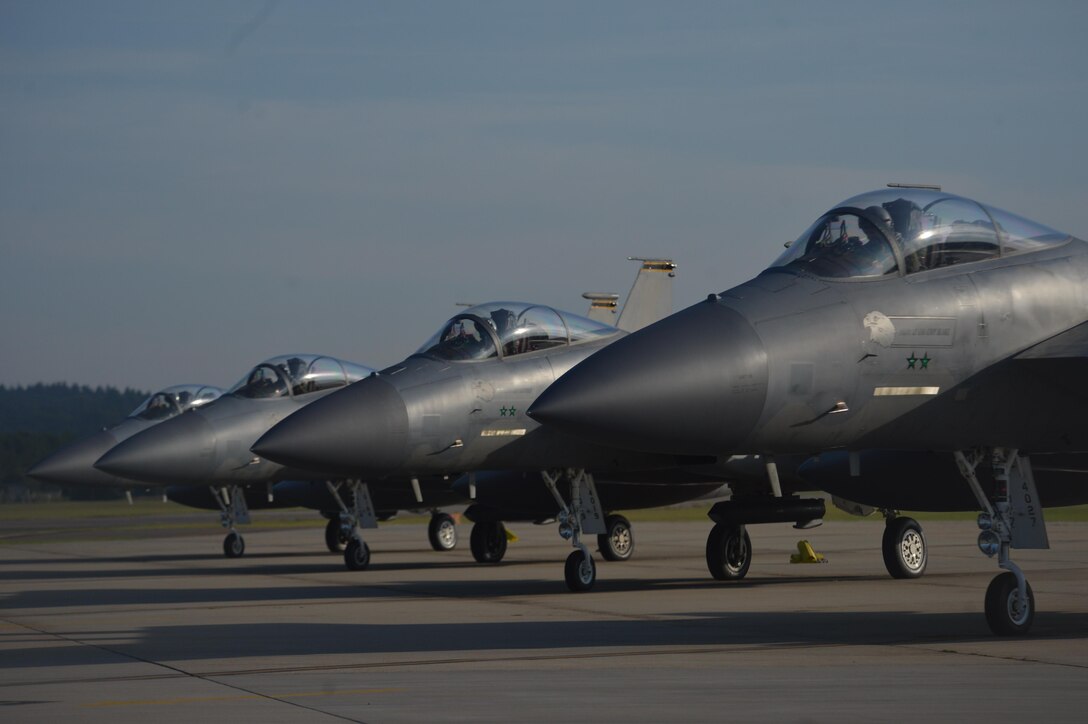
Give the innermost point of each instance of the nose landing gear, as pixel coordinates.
(352, 520)
(232, 510)
(1011, 518)
(582, 515)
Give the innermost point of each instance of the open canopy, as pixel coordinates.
(506, 329)
(174, 401)
(898, 231)
(297, 374)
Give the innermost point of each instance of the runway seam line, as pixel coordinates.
(181, 673)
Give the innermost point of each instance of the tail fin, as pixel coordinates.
(602, 306)
(650, 298)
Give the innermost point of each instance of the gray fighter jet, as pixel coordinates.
(457, 406)
(74, 464)
(204, 456)
(905, 319)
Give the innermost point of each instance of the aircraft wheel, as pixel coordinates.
(488, 542)
(335, 539)
(728, 552)
(1006, 613)
(442, 533)
(904, 548)
(357, 555)
(580, 572)
(234, 545)
(618, 543)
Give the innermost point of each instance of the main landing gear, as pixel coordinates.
(903, 546)
(441, 531)
(582, 515)
(1011, 518)
(335, 538)
(617, 543)
(488, 541)
(352, 520)
(232, 510)
(729, 547)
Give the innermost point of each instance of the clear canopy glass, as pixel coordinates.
(297, 374)
(910, 230)
(507, 329)
(174, 401)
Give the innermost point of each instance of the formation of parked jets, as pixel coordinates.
(912, 349)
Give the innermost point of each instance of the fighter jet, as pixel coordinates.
(74, 464)
(905, 319)
(457, 407)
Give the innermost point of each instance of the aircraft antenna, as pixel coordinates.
(929, 187)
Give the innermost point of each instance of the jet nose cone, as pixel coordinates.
(693, 383)
(74, 464)
(358, 430)
(178, 451)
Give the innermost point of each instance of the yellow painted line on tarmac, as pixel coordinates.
(238, 697)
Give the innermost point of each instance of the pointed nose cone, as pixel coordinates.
(692, 384)
(176, 452)
(74, 464)
(360, 430)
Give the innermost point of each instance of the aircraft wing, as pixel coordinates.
(1033, 401)
(1070, 344)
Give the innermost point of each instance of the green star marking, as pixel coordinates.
(911, 360)
(512, 410)
(925, 361)
(502, 411)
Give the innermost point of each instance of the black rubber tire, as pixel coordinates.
(356, 555)
(488, 541)
(234, 546)
(580, 572)
(728, 552)
(1004, 614)
(904, 548)
(618, 543)
(442, 532)
(335, 539)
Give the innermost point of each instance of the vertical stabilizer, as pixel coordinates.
(651, 296)
(602, 306)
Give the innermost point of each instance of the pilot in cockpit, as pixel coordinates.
(296, 369)
(504, 322)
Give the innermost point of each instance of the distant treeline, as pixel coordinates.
(38, 419)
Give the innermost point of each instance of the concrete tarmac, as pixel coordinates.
(166, 629)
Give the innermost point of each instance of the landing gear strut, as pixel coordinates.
(232, 510)
(352, 520)
(1011, 518)
(582, 515)
(903, 546)
(441, 532)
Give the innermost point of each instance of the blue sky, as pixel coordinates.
(189, 188)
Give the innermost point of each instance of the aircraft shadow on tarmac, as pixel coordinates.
(238, 640)
(361, 589)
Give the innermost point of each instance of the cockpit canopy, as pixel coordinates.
(297, 374)
(506, 329)
(174, 401)
(908, 230)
